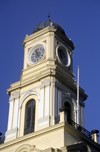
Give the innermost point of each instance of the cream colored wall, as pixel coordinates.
(47, 40)
(67, 136)
(56, 136)
(46, 138)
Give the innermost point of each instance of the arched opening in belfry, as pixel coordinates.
(68, 111)
(29, 117)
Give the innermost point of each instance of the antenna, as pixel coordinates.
(49, 16)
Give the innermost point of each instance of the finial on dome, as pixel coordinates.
(49, 16)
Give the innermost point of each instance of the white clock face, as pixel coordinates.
(64, 57)
(36, 53)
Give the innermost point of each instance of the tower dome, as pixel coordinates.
(43, 25)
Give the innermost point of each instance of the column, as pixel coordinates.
(56, 101)
(59, 100)
(44, 108)
(16, 113)
(41, 105)
(55, 109)
(10, 119)
(19, 113)
(47, 100)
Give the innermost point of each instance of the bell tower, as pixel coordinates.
(46, 84)
(43, 103)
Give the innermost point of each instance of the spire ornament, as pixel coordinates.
(49, 16)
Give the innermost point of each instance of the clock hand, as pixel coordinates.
(38, 54)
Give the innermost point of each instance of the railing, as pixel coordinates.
(28, 130)
(76, 126)
(2, 140)
(81, 129)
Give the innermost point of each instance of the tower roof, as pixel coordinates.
(43, 25)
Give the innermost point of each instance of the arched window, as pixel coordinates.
(29, 117)
(68, 111)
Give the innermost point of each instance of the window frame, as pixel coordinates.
(29, 125)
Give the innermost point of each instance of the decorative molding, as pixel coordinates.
(30, 92)
(47, 130)
(45, 41)
(45, 81)
(57, 83)
(14, 96)
(67, 95)
(29, 49)
(15, 93)
(27, 148)
(51, 150)
(33, 89)
(68, 99)
(49, 82)
(38, 34)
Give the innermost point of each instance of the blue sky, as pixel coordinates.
(81, 21)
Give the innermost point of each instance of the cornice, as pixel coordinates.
(65, 41)
(53, 128)
(37, 69)
(72, 85)
(46, 30)
(38, 34)
(63, 68)
(34, 134)
(74, 131)
(49, 72)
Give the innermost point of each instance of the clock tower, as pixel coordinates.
(43, 103)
